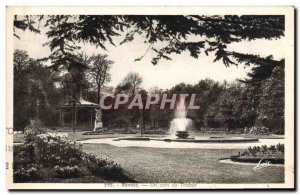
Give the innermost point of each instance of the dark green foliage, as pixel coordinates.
(27, 22)
(263, 150)
(271, 101)
(67, 171)
(233, 108)
(130, 84)
(98, 72)
(260, 154)
(33, 83)
(30, 172)
(258, 150)
(193, 33)
(262, 69)
(259, 102)
(44, 151)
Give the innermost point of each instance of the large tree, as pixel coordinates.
(193, 33)
(131, 83)
(99, 72)
(165, 35)
(35, 92)
(233, 108)
(270, 109)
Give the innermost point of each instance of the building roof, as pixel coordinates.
(81, 103)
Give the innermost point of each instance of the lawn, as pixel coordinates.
(18, 138)
(184, 165)
(177, 165)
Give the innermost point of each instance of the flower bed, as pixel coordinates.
(44, 150)
(98, 133)
(111, 131)
(274, 154)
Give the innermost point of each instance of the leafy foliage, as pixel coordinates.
(263, 150)
(27, 22)
(131, 83)
(271, 106)
(234, 108)
(193, 33)
(99, 72)
(33, 82)
(173, 34)
(45, 150)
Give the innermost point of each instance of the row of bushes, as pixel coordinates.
(44, 150)
(256, 130)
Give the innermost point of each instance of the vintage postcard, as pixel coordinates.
(138, 98)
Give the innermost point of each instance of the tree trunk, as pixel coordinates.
(98, 95)
(143, 120)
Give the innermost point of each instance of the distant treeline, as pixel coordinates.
(225, 105)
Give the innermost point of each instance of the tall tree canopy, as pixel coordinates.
(173, 34)
(34, 88)
(131, 83)
(193, 33)
(99, 72)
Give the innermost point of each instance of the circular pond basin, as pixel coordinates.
(197, 142)
(193, 140)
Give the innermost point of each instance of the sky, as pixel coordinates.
(167, 73)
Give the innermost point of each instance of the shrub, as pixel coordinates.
(67, 171)
(29, 173)
(54, 151)
(259, 130)
(263, 150)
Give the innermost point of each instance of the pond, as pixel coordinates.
(164, 144)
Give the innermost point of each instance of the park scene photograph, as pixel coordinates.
(160, 101)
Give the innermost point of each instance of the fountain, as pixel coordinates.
(180, 123)
(179, 132)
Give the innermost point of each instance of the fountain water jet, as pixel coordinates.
(180, 123)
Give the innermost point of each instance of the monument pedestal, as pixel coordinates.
(98, 125)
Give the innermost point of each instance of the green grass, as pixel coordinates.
(176, 165)
(18, 138)
(184, 165)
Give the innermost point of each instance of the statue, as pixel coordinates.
(98, 120)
